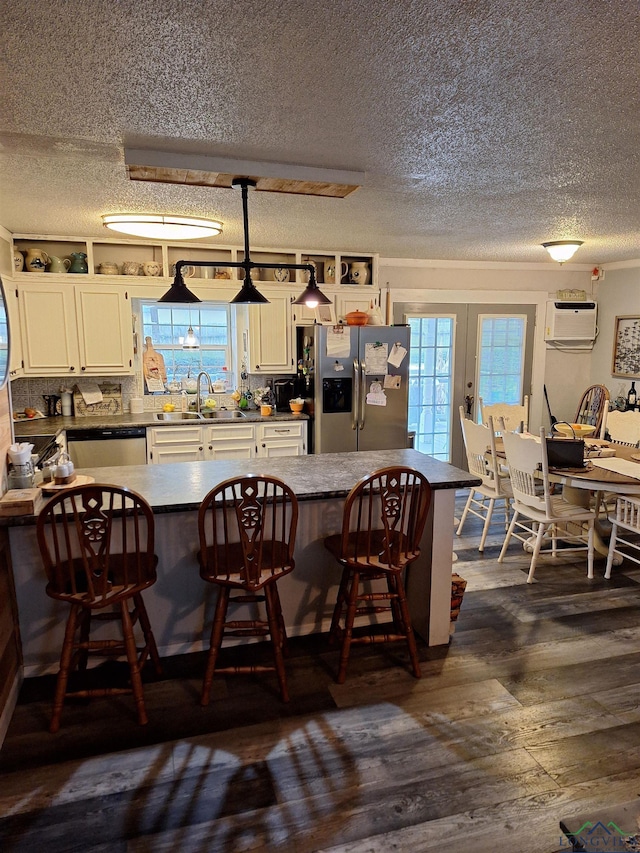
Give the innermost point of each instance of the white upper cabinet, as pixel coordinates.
(270, 336)
(48, 329)
(99, 309)
(75, 330)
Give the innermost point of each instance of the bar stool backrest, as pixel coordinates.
(247, 528)
(97, 543)
(384, 518)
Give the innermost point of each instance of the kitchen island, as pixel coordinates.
(180, 603)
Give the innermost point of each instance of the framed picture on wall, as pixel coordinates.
(626, 347)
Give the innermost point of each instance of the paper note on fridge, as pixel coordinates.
(339, 342)
(392, 380)
(397, 354)
(376, 396)
(375, 359)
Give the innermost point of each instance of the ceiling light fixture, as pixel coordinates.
(249, 294)
(160, 227)
(562, 250)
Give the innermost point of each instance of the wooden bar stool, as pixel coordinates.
(247, 528)
(97, 546)
(383, 521)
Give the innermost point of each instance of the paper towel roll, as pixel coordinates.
(136, 405)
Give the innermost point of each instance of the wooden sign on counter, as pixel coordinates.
(111, 403)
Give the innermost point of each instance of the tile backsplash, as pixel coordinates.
(28, 393)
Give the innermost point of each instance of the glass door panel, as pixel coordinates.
(459, 353)
(501, 353)
(431, 384)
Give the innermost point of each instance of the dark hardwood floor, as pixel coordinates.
(531, 715)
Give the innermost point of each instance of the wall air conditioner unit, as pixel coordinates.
(571, 321)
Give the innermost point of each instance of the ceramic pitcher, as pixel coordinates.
(59, 265)
(359, 272)
(78, 262)
(36, 260)
(152, 268)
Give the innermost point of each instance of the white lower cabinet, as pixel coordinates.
(174, 444)
(191, 443)
(282, 438)
(229, 441)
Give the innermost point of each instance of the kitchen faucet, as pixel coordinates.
(202, 373)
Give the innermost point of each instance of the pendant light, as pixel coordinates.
(562, 250)
(190, 342)
(248, 293)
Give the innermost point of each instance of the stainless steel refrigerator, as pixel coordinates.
(357, 381)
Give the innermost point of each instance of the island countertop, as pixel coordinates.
(180, 486)
(176, 602)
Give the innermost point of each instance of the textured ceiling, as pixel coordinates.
(484, 128)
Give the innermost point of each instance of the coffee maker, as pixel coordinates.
(284, 390)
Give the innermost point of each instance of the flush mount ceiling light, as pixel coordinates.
(249, 294)
(562, 250)
(162, 227)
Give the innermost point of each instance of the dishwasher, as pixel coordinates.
(103, 448)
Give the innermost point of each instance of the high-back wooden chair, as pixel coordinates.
(383, 521)
(514, 415)
(593, 406)
(97, 547)
(247, 529)
(539, 514)
(482, 461)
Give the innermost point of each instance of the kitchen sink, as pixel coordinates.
(177, 416)
(223, 415)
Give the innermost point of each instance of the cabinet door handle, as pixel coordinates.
(285, 431)
(200, 448)
(83, 367)
(210, 447)
(72, 368)
(263, 444)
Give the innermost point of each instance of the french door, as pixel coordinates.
(458, 354)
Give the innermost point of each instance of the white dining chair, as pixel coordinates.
(624, 427)
(514, 415)
(537, 513)
(482, 461)
(625, 520)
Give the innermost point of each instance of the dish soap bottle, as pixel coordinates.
(632, 397)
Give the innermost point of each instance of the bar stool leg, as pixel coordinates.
(65, 662)
(217, 630)
(276, 639)
(132, 659)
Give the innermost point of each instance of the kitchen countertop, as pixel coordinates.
(180, 486)
(52, 426)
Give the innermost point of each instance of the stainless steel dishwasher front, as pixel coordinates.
(105, 447)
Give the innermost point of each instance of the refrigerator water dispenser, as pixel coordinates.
(337, 395)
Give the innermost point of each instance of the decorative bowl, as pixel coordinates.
(356, 318)
(574, 430)
(296, 407)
